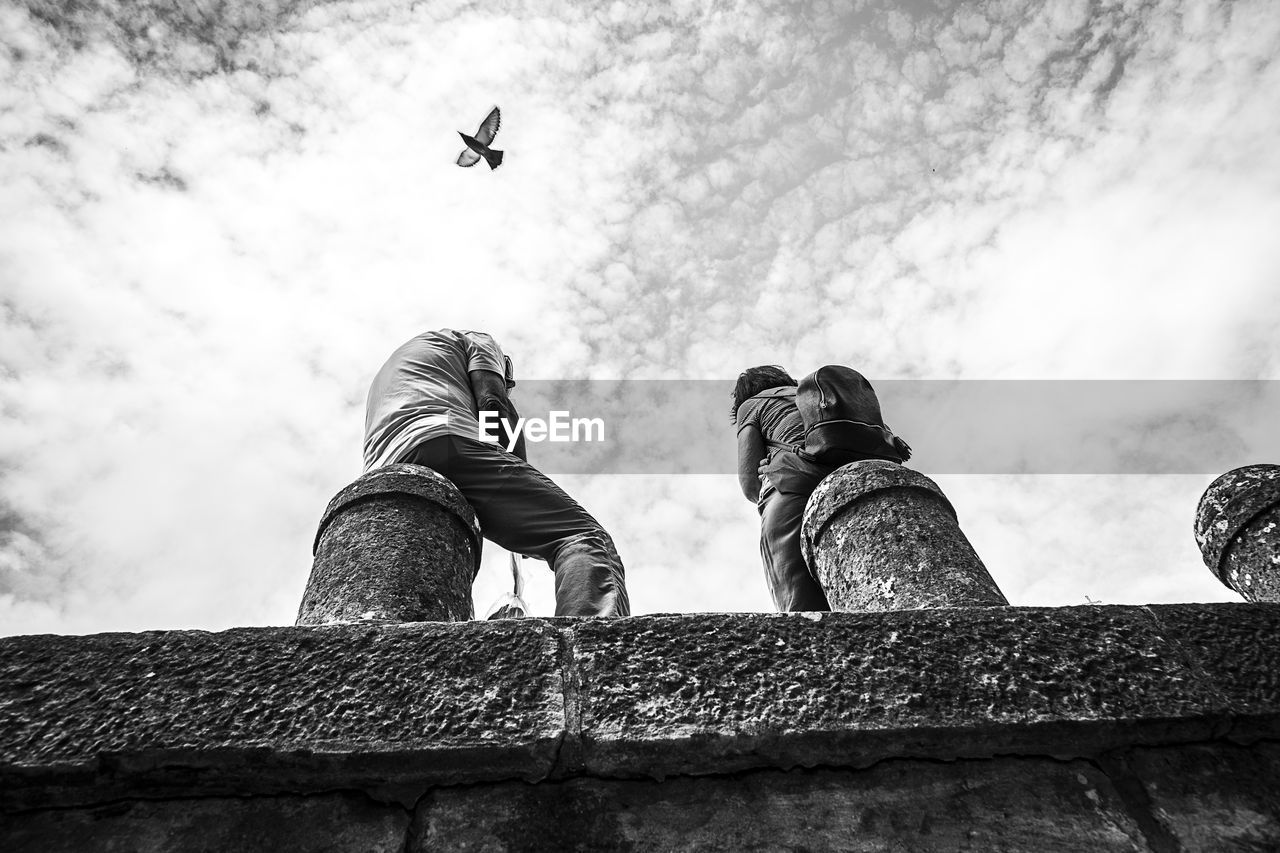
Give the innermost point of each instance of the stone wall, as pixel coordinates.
(1126, 728)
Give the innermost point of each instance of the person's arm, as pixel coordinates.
(490, 391)
(751, 451)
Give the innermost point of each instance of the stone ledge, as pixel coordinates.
(1009, 804)
(1215, 796)
(395, 710)
(267, 710)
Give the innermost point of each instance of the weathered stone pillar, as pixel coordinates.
(400, 544)
(883, 537)
(1238, 530)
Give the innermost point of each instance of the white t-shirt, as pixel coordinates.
(423, 392)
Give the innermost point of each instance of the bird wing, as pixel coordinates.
(468, 157)
(489, 127)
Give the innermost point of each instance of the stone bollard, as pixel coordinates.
(883, 537)
(400, 544)
(1238, 530)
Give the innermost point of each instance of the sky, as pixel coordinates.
(218, 219)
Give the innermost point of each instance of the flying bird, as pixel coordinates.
(478, 145)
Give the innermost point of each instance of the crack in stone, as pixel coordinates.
(1133, 796)
(568, 759)
(1195, 666)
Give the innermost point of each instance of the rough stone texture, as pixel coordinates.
(400, 544)
(89, 719)
(1024, 804)
(1238, 657)
(397, 709)
(351, 823)
(1218, 797)
(671, 695)
(1194, 797)
(883, 537)
(1238, 530)
(1251, 563)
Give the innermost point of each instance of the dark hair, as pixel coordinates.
(753, 380)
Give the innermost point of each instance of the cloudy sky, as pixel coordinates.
(216, 222)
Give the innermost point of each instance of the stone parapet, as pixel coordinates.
(1238, 530)
(880, 536)
(400, 544)
(397, 710)
(264, 710)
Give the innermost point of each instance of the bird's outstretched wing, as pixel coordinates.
(468, 157)
(489, 127)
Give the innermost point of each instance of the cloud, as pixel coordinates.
(1055, 540)
(955, 169)
(216, 224)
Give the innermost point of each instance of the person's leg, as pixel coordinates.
(522, 510)
(792, 584)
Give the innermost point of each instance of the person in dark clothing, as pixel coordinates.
(768, 423)
(781, 460)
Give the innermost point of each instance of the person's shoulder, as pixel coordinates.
(429, 347)
(456, 338)
(784, 395)
(769, 404)
(451, 335)
(749, 413)
(481, 339)
(434, 336)
(782, 392)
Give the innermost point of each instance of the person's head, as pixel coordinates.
(754, 380)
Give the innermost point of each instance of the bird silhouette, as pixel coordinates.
(478, 145)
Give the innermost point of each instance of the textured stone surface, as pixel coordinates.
(1218, 797)
(1210, 797)
(1238, 530)
(679, 695)
(1027, 804)
(396, 709)
(1251, 563)
(1239, 657)
(333, 823)
(277, 709)
(398, 545)
(883, 537)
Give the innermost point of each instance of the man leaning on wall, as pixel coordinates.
(423, 408)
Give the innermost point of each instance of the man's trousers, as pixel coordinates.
(790, 581)
(522, 510)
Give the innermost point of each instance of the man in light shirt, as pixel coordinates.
(423, 408)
